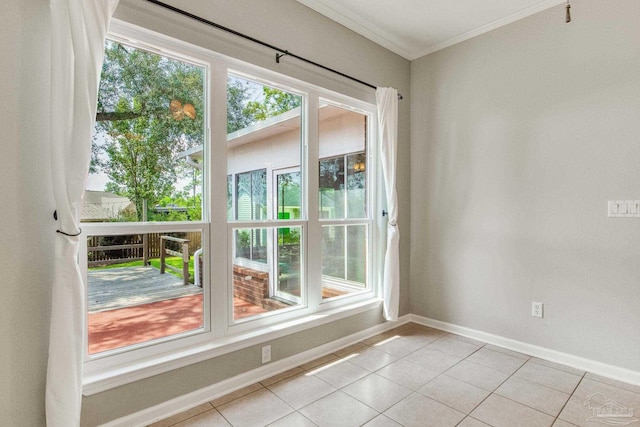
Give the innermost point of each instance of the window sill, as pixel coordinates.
(99, 381)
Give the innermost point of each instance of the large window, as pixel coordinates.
(143, 208)
(201, 231)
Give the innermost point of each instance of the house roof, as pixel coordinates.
(103, 206)
(272, 126)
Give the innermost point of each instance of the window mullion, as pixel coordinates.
(217, 157)
(312, 184)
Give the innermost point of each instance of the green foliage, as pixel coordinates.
(193, 205)
(172, 261)
(275, 102)
(237, 95)
(243, 111)
(141, 136)
(138, 139)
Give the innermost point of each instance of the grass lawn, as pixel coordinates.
(173, 261)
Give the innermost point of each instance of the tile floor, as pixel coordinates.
(417, 376)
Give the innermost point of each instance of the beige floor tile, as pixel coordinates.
(293, 420)
(382, 421)
(256, 409)
(549, 377)
(498, 411)
(301, 390)
(472, 422)
(576, 413)
(236, 394)
(371, 358)
(507, 351)
(377, 392)
(536, 396)
(183, 415)
(340, 373)
(495, 360)
(400, 346)
(453, 346)
(420, 411)
(433, 359)
(338, 410)
(621, 396)
(282, 376)
(561, 423)
(378, 338)
(407, 374)
(477, 375)
(615, 383)
(454, 393)
(558, 366)
(467, 339)
(210, 418)
(329, 358)
(353, 348)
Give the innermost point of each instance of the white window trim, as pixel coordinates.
(112, 369)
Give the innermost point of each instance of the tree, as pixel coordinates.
(242, 111)
(237, 95)
(138, 136)
(142, 120)
(274, 102)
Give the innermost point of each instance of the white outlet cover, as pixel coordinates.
(266, 354)
(537, 309)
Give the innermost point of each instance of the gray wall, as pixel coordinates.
(518, 139)
(27, 228)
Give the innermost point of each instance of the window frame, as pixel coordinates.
(221, 335)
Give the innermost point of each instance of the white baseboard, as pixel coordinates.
(598, 368)
(198, 397)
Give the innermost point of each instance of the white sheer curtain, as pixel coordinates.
(387, 101)
(78, 29)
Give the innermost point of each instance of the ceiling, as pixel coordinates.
(414, 28)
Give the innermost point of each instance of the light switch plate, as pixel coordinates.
(623, 209)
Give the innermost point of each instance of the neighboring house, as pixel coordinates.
(101, 206)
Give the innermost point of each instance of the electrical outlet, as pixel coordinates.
(537, 309)
(266, 354)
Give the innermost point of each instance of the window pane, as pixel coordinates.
(343, 178)
(288, 195)
(332, 195)
(266, 278)
(356, 186)
(344, 259)
(263, 136)
(137, 294)
(147, 147)
(229, 197)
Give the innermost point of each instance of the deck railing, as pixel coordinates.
(184, 253)
(137, 247)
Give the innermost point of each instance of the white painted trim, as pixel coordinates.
(342, 15)
(207, 394)
(351, 20)
(581, 363)
(486, 28)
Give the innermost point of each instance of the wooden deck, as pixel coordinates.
(115, 288)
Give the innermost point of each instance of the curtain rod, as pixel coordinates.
(279, 52)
